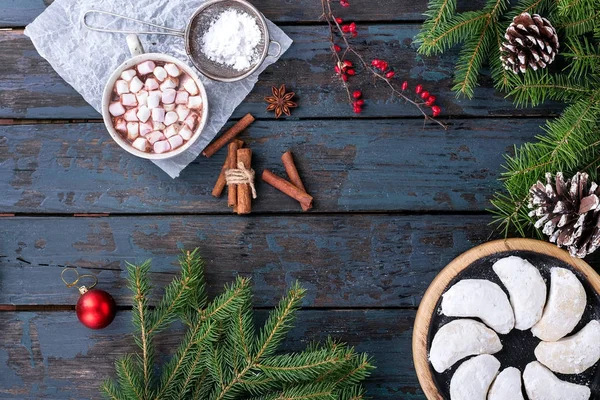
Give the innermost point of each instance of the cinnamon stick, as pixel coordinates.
(292, 173)
(228, 135)
(244, 193)
(221, 181)
(231, 164)
(288, 188)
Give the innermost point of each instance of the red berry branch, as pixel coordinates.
(380, 69)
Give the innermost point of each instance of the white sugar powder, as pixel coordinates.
(232, 39)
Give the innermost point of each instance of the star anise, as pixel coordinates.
(280, 102)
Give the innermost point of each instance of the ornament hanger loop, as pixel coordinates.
(77, 278)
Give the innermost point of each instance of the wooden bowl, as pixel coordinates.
(428, 320)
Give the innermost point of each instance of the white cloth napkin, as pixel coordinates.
(85, 59)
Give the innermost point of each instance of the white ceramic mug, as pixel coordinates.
(138, 56)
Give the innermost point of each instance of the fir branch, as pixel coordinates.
(535, 87)
(304, 366)
(129, 378)
(438, 12)
(140, 286)
(583, 57)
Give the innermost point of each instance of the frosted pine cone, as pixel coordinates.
(568, 212)
(531, 42)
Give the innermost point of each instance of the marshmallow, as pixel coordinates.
(120, 125)
(133, 130)
(160, 73)
(143, 113)
(131, 115)
(182, 111)
(158, 126)
(172, 70)
(154, 137)
(169, 83)
(154, 99)
(151, 84)
(142, 97)
(122, 87)
(116, 109)
(161, 146)
(182, 97)
(158, 114)
(169, 107)
(146, 128)
(190, 121)
(146, 67)
(136, 85)
(175, 141)
(171, 117)
(129, 99)
(195, 102)
(140, 144)
(171, 130)
(168, 96)
(128, 74)
(185, 132)
(188, 84)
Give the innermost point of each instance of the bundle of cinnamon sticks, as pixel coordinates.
(239, 196)
(239, 158)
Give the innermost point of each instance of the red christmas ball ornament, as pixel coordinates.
(95, 308)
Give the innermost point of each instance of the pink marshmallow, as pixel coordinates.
(129, 99)
(116, 109)
(158, 126)
(182, 111)
(170, 118)
(131, 115)
(175, 141)
(154, 99)
(171, 130)
(142, 97)
(160, 73)
(143, 113)
(162, 146)
(145, 128)
(128, 75)
(146, 67)
(140, 143)
(182, 97)
(169, 107)
(158, 114)
(190, 121)
(133, 130)
(169, 83)
(154, 137)
(188, 84)
(172, 70)
(136, 85)
(186, 133)
(168, 96)
(120, 125)
(195, 102)
(122, 87)
(151, 84)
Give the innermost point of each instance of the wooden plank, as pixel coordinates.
(343, 260)
(374, 165)
(31, 88)
(17, 13)
(50, 355)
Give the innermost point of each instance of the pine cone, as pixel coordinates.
(531, 41)
(568, 212)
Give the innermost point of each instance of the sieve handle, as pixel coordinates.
(169, 31)
(278, 49)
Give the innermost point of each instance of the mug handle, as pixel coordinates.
(134, 44)
(278, 49)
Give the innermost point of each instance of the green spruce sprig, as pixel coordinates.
(221, 355)
(571, 142)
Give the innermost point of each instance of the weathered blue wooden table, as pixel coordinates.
(394, 202)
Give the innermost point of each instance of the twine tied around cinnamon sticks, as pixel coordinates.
(241, 176)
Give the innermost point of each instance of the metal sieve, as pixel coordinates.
(197, 25)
